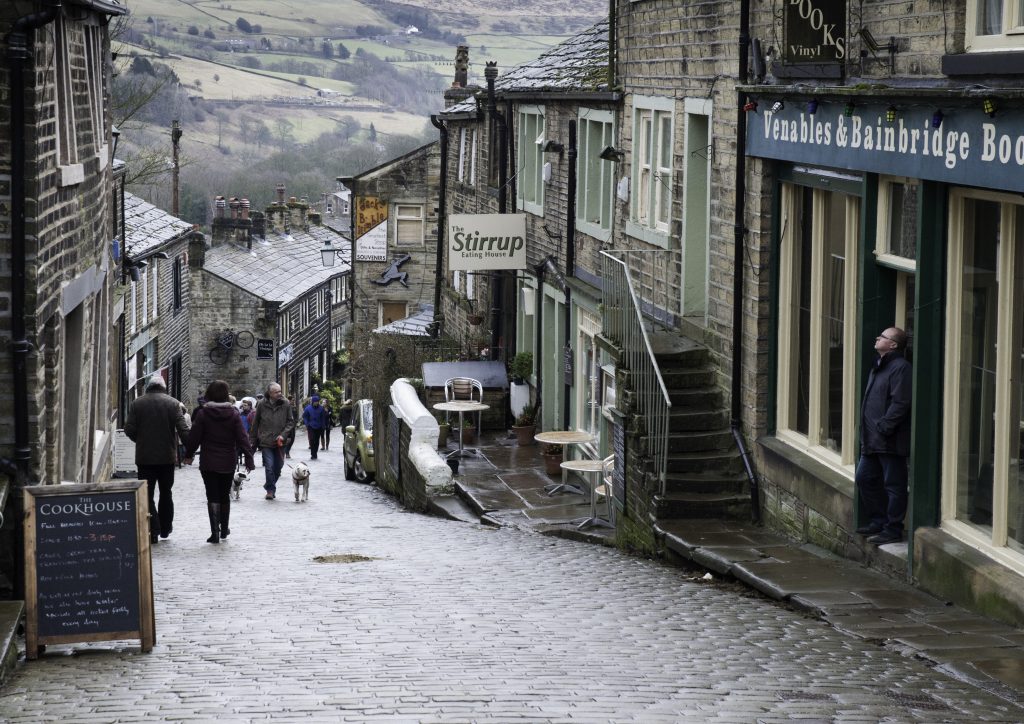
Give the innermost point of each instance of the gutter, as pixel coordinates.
(739, 234)
(19, 53)
(442, 193)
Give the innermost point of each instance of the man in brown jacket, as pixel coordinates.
(155, 424)
(271, 428)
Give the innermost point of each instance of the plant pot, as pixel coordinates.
(443, 432)
(524, 434)
(468, 435)
(475, 319)
(553, 463)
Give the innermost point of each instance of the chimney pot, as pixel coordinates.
(280, 193)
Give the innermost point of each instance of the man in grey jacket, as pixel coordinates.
(272, 426)
(155, 424)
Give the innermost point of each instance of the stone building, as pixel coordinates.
(264, 307)
(156, 300)
(56, 226)
(394, 247)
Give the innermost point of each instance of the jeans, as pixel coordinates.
(273, 461)
(881, 481)
(161, 519)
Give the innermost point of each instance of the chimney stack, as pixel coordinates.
(280, 193)
(461, 67)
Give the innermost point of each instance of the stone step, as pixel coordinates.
(682, 378)
(707, 482)
(673, 348)
(708, 398)
(701, 505)
(11, 615)
(682, 420)
(700, 440)
(723, 462)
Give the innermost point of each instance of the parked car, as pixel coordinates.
(358, 446)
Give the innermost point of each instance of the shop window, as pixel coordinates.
(995, 25)
(896, 241)
(983, 449)
(651, 197)
(408, 225)
(530, 142)
(595, 176)
(817, 395)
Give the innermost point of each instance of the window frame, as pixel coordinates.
(530, 158)
(589, 119)
(1011, 37)
(649, 201)
(72, 171)
(882, 252)
(420, 218)
(788, 367)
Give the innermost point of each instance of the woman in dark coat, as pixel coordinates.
(218, 434)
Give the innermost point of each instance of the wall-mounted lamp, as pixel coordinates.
(131, 268)
(610, 153)
(890, 114)
(989, 106)
(937, 118)
(328, 254)
(778, 106)
(848, 110)
(552, 147)
(812, 106)
(115, 133)
(750, 106)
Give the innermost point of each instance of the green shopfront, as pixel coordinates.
(903, 212)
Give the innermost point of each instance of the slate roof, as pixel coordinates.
(282, 267)
(147, 228)
(415, 325)
(579, 63)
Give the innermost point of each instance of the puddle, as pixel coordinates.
(344, 558)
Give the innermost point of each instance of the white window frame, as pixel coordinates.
(1011, 36)
(651, 195)
(588, 412)
(882, 241)
(470, 285)
(97, 83)
(1008, 354)
(461, 168)
(417, 218)
(457, 280)
(144, 295)
(596, 181)
(132, 326)
(471, 180)
(156, 288)
(530, 159)
(788, 367)
(71, 170)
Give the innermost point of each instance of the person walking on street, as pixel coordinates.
(217, 433)
(272, 425)
(314, 417)
(329, 411)
(156, 424)
(881, 476)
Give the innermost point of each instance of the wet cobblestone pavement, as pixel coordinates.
(411, 618)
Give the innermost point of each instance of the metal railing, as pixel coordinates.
(623, 322)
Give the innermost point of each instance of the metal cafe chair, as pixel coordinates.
(464, 388)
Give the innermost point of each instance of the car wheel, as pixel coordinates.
(350, 473)
(361, 475)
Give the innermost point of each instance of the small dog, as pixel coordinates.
(236, 484)
(300, 476)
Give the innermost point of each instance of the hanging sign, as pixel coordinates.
(478, 242)
(815, 31)
(264, 349)
(373, 245)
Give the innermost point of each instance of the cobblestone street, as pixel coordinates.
(448, 621)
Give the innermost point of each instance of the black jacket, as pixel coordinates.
(885, 411)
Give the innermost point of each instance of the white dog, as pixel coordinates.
(236, 484)
(300, 476)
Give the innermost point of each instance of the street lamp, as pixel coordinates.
(328, 254)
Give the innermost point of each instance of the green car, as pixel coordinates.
(358, 447)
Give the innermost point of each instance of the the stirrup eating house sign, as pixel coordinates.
(478, 242)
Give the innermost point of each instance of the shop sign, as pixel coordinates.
(964, 146)
(815, 31)
(373, 245)
(264, 349)
(284, 355)
(478, 242)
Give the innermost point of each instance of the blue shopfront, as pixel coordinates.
(907, 212)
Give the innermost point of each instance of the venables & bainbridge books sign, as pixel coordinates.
(961, 146)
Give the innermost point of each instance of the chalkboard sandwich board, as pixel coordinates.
(87, 564)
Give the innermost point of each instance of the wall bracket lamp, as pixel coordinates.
(610, 153)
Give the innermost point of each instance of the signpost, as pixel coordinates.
(88, 575)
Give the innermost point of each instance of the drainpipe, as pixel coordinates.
(497, 277)
(570, 258)
(18, 41)
(736, 422)
(442, 193)
(538, 331)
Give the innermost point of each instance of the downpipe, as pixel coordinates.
(442, 192)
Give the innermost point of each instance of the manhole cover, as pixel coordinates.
(344, 558)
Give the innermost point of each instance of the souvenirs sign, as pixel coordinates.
(371, 229)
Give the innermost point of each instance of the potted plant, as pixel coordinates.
(525, 425)
(521, 367)
(468, 432)
(552, 459)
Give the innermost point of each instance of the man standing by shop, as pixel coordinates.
(885, 441)
(314, 417)
(155, 424)
(271, 427)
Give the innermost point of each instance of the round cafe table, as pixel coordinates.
(564, 437)
(461, 407)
